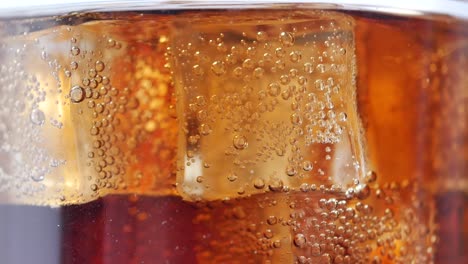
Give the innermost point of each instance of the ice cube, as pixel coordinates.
(266, 106)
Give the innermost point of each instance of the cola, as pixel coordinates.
(233, 136)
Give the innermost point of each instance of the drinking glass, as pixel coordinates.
(254, 131)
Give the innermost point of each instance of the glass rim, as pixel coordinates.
(31, 8)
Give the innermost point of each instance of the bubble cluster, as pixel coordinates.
(95, 109)
(280, 94)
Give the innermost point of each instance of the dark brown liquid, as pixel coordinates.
(132, 229)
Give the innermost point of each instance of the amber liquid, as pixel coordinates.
(411, 98)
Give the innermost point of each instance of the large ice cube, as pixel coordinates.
(266, 103)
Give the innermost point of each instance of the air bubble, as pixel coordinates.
(286, 38)
(197, 70)
(77, 94)
(308, 67)
(258, 72)
(304, 187)
(371, 176)
(37, 117)
(232, 177)
(290, 170)
(237, 72)
(261, 36)
(44, 55)
(218, 68)
(248, 64)
(259, 183)
(75, 51)
(293, 73)
(343, 116)
(274, 89)
(37, 177)
(300, 240)
(240, 142)
(295, 56)
(276, 185)
(362, 191)
(94, 131)
(111, 43)
(284, 79)
(319, 85)
(315, 250)
(92, 73)
(296, 119)
(74, 65)
(302, 80)
(276, 244)
(205, 129)
(280, 52)
(307, 165)
(272, 220)
(99, 66)
(268, 233)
